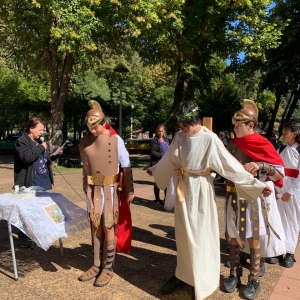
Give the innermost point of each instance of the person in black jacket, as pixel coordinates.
(32, 162)
(158, 146)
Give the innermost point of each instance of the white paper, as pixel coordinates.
(60, 148)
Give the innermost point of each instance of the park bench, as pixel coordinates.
(138, 146)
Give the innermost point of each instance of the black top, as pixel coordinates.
(26, 153)
(156, 152)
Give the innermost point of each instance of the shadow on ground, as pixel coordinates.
(143, 182)
(135, 268)
(150, 204)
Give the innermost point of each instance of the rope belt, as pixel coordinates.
(179, 174)
(291, 172)
(100, 179)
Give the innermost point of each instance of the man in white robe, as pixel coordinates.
(193, 153)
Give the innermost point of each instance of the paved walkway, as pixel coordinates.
(138, 275)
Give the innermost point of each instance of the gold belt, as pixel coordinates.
(100, 179)
(230, 189)
(179, 173)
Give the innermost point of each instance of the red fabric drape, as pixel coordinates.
(108, 127)
(124, 235)
(260, 150)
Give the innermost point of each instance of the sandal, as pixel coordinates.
(104, 278)
(90, 274)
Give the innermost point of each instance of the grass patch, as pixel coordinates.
(136, 163)
(61, 169)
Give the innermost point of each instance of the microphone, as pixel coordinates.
(41, 140)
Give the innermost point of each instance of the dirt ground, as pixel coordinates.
(138, 275)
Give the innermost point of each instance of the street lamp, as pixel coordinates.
(120, 69)
(131, 122)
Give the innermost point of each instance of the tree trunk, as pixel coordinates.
(278, 95)
(179, 88)
(293, 106)
(283, 117)
(59, 84)
(190, 91)
(56, 136)
(75, 130)
(65, 131)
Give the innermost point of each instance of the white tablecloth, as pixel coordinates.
(44, 218)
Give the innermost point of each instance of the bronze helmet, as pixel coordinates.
(95, 115)
(248, 113)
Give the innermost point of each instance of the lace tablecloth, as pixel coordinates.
(44, 217)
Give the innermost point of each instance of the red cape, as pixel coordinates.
(108, 127)
(124, 235)
(259, 149)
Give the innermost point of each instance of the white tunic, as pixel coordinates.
(196, 220)
(268, 247)
(290, 211)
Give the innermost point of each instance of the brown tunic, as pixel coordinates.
(99, 156)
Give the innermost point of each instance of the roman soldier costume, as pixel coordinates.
(107, 190)
(248, 218)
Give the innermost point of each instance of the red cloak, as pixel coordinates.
(259, 149)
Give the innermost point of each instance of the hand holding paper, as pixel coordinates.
(59, 149)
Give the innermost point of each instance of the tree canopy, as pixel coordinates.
(175, 50)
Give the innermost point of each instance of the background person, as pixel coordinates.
(289, 195)
(278, 143)
(223, 138)
(158, 147)
(229, 136)
(32, 162)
